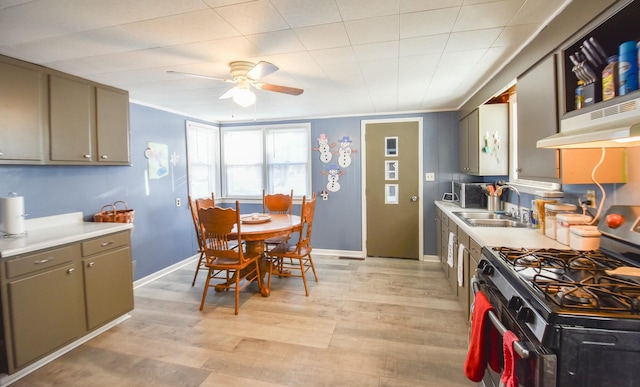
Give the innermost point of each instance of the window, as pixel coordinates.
(275, 158)
(203, 159)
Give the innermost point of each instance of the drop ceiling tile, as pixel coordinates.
(47, 18)
(277, 42)
(373, 30)
(423, 45)
(458, 58)
(376, 51)
(487, 15)
(303, 13)
(334, 55)
(253, 17)
(468, 40)
(184, 28)
(363, 9)
(426, 5)
(323, 36)
(434, 22)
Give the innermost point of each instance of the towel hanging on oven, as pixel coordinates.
(509, 378)
(484, 346)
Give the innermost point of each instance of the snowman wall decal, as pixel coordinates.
(324, 148)
(333, 175)
(344, 152)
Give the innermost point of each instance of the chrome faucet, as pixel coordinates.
(499, 191)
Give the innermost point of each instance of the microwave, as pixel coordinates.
(469, 195)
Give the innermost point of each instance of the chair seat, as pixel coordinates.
(287, 250)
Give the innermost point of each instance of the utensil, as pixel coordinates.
(598, 49)
(589, 57)
(594, 55)
(577, 70)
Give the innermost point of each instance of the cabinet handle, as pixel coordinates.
(40, 262)
(87, 156)
(104, 157)
(91, 264)
(105, 244)
(70, 271)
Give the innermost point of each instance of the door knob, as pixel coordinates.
(414, 198)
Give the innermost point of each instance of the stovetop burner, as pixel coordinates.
(574, 279)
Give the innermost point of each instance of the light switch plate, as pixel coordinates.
(430, 176)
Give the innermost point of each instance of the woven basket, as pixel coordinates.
(111, 213)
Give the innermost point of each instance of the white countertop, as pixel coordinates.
(500, 236)
(51, 231)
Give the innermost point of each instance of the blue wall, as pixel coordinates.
(163, 233)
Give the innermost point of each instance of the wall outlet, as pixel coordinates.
(430, 176)
(591, 197)
(178, 202)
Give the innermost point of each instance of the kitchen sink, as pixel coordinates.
(489, 219)
(482, 215)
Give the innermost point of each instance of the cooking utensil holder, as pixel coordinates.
(494, 204)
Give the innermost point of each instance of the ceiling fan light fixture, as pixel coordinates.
(244, 97)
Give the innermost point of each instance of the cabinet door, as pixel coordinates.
(21, 113)
(452, 274)
(108, 282)
(464, 145)
(463, 291)
(70, 119)
(472, 143)
(46, 312)
(537, 119)
(112, 125)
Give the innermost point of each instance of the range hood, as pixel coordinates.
(612, 124)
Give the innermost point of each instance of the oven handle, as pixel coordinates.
(517, 346)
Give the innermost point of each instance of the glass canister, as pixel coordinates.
(551, 211)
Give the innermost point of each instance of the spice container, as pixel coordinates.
(580, 95)
(627, 67)
(610, 79)
(565, 221)
(551, 210)
(584, 238)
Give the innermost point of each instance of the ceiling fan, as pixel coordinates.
(246, 74)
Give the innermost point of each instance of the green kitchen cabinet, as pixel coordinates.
(22, 112)
(54, 296)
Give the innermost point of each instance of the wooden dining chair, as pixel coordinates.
(288, 258)
(194, 215)
(224, 260)
(276, 204)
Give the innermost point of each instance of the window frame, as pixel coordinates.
(265, 130)
(213, 165)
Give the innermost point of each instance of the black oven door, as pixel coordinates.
(536, 366)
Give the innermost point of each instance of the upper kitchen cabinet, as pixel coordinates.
(22, 113)
(537, 118)
(591, 47)
(88, 123)
(484, 141)
(48, 117)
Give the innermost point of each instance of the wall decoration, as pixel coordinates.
(158, 159)
(391, 146)
(324, 148)
(391, 169)
(391, 192)
(333, 175)
(344, 158)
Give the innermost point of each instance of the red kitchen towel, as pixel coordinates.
(509, 378)
(483, 347)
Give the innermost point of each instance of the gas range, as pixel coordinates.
(571, 308)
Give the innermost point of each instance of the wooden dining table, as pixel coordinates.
(256, 231)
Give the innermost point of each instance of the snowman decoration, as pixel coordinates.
(324, 148)
(344, 157)
(333, 175)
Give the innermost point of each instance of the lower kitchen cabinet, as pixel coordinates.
(452, 271)
(52, 297)
(463, 290)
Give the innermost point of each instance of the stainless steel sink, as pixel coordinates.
(489, 219)
(481, 215)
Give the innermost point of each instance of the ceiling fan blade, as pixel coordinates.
(228, 94)
(202, 76)
(262, 69)
(279, 89)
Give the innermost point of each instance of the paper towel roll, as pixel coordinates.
(12, 215)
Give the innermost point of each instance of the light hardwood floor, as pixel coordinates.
(374, 322)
